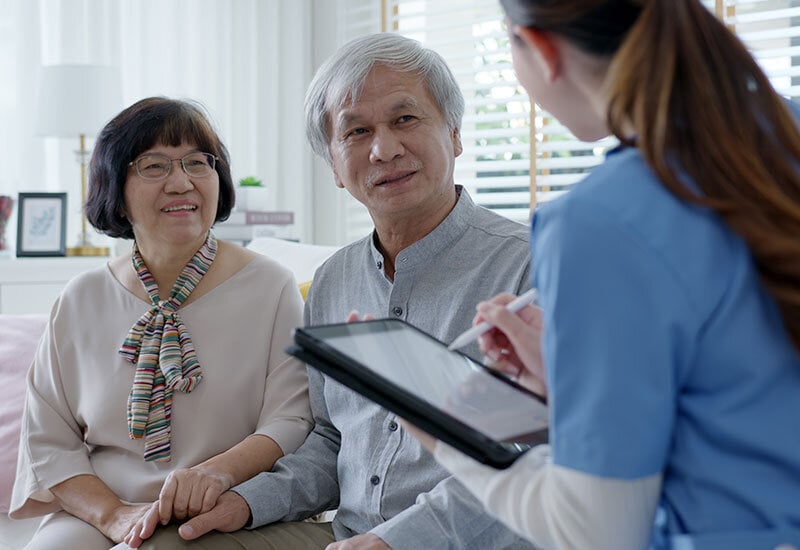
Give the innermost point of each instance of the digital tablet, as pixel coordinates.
(465, 404)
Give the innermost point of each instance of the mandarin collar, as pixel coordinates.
(451, 228)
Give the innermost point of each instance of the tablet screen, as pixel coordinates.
(448, 380)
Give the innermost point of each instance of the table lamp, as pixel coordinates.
(77, 100)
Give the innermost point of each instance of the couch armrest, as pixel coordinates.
(19, 336)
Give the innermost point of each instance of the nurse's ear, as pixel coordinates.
(545, 50)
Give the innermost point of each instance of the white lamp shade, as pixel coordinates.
(76, 99)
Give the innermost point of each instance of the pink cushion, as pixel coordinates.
(19, 336)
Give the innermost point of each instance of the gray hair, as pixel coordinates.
(341, 78)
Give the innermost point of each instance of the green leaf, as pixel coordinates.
(250, 181)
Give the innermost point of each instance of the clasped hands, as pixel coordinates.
(228, 513)
(186, 493)
(203, 498)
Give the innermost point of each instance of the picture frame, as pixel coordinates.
(41, 224)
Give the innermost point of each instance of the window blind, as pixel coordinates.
(515, 154)
(356, 18)
(771, 30)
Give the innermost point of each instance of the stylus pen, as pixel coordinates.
(472, 334)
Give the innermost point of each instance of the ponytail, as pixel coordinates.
(699, 104)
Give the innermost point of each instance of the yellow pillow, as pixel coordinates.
(304, 289)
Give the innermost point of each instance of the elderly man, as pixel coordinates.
(385, 113)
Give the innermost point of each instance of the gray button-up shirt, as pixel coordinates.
(356, 458)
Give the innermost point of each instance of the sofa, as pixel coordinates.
(19, 336)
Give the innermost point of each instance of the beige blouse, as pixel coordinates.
(75, 414)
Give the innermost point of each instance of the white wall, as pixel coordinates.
(327, 202)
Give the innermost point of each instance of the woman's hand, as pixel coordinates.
(514, 344)
(122, 520)
(196, 492)
(87, 498)
(188, 492)
(144, 528)
(230, 513)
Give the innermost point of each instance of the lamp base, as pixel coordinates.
(85, 246)
(88, 250)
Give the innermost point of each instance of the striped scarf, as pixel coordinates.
(162, 350)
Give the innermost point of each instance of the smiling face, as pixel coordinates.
(176, 211)
(392, 149)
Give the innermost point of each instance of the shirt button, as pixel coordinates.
(398, 311)
(392, 426)
(374, 480)
(380, 265)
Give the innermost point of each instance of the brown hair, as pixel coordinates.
(698, 102)
(150, 121)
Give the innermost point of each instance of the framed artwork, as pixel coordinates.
(42, 224)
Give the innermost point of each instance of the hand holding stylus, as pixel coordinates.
(514, 344)
(472, 334)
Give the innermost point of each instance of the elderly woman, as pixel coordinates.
(161, 380)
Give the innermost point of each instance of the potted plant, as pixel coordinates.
(251, 194)
(250, 181)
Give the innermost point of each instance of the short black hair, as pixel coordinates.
(150, 121)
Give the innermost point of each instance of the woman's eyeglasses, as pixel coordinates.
(155, 167)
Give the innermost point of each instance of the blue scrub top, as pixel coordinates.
(665, 354)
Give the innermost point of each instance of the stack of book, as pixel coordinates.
(245, 225)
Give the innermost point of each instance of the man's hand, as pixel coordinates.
(367, 541)
(353, 317)
(188, 492)
(230, 514)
